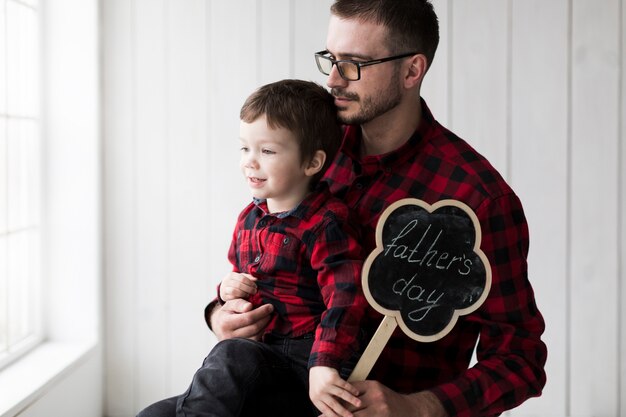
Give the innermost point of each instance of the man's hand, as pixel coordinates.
(379, 401)
(326, 388)
(237, 318)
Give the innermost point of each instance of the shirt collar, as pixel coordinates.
(305, 209)
(261, 203)
(386, 162)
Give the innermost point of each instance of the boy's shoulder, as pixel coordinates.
(322, 203)
(331, 213)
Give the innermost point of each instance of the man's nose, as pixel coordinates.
(334, 78)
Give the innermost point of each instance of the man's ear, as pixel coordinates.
(316, 163)
(418, 64)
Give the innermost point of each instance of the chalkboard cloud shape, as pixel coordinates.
(427, 268)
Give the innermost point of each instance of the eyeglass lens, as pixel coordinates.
(348, 70)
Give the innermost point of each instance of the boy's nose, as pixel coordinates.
(250, 161)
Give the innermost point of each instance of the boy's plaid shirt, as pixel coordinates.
(308, 265)
(434, 165)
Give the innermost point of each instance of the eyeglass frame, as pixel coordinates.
(358, 64)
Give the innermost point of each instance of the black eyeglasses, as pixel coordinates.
(349, 70)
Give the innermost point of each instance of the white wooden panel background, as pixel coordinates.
(535, 85)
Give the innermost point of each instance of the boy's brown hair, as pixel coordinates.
(303, 107)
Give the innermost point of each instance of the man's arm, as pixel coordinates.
(511, 355)
(237, 318)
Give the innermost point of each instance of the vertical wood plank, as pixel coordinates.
(435, 85)
(232, 79)
(622, 214)
(310, 26)
(151, 197)
(594, 190)
(539, 149)
(480, 76)
(119, 191)
(189, 183)
(4, 262)
(275, 41)
(3, 58)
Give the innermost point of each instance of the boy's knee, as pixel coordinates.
(237, 350)
(236, 357)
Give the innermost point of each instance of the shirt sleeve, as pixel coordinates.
(510, 353)
(337, 257)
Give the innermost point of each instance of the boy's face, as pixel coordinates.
(270, 162)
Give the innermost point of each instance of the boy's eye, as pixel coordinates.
(268, 152)
(244, 149)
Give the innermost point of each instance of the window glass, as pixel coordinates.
(20, 170)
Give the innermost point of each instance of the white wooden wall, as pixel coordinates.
(538, 86)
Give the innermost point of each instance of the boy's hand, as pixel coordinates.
(236, 285)
(326, 389)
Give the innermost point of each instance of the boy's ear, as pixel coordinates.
(316, 163)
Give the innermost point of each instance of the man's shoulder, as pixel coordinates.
(462, 166)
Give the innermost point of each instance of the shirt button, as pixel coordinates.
(257, 259)
(359, 186)
(285, 241)
(262, 223)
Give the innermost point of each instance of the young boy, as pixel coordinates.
(292, 248)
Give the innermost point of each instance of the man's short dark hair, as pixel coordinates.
(303, 107)
(412, 24)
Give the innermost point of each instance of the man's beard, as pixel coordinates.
(371, 106)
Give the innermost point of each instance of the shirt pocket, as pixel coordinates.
(282, 254)
(248, 252)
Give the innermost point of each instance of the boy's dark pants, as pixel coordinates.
(241, 377)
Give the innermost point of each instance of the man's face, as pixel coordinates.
(379, 90)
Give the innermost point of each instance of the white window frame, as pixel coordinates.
(20, 178)
(70, 354)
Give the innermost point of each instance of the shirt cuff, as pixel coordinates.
(208, 311)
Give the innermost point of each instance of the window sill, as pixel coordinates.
(32, 376)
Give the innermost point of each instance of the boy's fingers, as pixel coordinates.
(237, 285)
(244, 282)
(346, 396)
(231, 292)
(348, 387)
(245, 278)
(250, 277)
(335, 408)
(326, 410)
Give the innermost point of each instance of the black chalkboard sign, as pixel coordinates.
(426, 271)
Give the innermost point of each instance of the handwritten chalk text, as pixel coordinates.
(416, 292)
(418, 254)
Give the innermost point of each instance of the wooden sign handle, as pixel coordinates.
(374, 349)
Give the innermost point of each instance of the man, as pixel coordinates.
(377, 54)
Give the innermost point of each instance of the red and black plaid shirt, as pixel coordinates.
(308, 265)
(434, 165)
